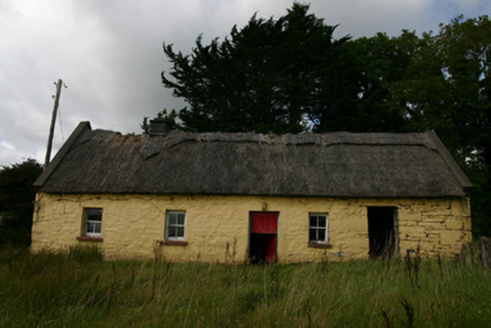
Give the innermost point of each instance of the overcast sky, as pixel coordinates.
(109, 54)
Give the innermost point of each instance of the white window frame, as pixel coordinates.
(318, 227)
(90, 225)
(171, 225)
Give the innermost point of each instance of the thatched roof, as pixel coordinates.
(333, 164)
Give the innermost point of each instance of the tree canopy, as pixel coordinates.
(17, 201)
(291, 75)
(439, 82)
(266, 77)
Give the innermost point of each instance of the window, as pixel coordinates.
(175, 225)
(318, 228)
(93, 222)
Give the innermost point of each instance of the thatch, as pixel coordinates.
(333, 165)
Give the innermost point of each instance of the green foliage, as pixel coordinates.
(85, 254)
(16, 190)
(172, 119)
(384, 62)
(265, 77)
(466, 50)
(59, 290)
(290, 75)
(439, 82)
(17, 202)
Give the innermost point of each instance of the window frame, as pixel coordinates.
(318, 227)
(169, 226)
(87, 212)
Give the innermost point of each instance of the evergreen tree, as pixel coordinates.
(290, 75)
(270, 76)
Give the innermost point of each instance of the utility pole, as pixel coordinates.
(53, 121)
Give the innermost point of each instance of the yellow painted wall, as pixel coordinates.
(133, 225)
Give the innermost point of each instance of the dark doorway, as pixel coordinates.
(382, 231)
(263, 237)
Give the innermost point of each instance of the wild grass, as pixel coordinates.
(78, 289)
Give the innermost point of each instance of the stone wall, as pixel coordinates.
(217, 227)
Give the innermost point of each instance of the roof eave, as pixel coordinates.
(450, 161)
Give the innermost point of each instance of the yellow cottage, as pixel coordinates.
(224, 197)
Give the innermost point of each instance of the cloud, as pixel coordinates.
(7, 146)
(109, 53)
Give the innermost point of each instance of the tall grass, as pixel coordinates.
(78, 289)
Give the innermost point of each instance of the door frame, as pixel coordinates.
(266, 233)
(380, 246)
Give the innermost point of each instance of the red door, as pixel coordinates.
(263, 237)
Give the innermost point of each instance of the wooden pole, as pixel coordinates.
(53, 121)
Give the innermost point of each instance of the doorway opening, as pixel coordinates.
(382, 231)
(263, 237)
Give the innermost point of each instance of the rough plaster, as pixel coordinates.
(217, 227)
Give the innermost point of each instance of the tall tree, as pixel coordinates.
(466, 51)
(266, 77)
(439, 82)
(291, 75)
(383, 62)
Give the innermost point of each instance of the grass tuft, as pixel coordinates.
(86, 254)
(78, 289)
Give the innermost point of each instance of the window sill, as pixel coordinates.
(173, 242)
(313, 244)
(87, 238)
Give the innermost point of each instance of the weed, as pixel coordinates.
(412, 266)
(75, 289)
(409, 309)
(388, 322)
(440, 269)
(85, 254)
(309, 315)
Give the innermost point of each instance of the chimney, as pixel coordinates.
(159, 127)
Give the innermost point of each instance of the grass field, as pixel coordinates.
(80, 290)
